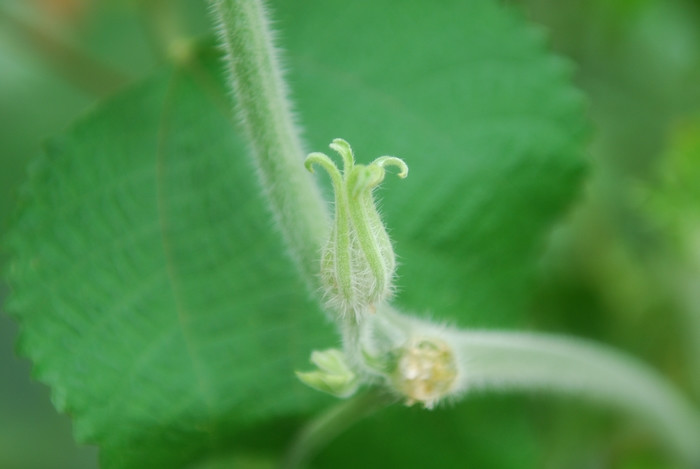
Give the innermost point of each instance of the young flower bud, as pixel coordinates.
(426, 371)
(333, 375)
(357, 262)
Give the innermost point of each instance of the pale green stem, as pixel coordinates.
(327, 426)
(265, 111)
(517, 361)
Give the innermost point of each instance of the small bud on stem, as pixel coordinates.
(426, 371)
(357, 262)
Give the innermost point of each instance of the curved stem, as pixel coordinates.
(393, 161)
(265, 111)
(345, 151)
(495, 360)
(326, 163)
(327, 426)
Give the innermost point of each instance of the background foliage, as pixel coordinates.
(602, 276)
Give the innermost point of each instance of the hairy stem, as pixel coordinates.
(493, 360)
(265, 111)
(327, 426)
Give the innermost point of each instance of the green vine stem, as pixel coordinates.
(265, 112)
(540, 362)
(328, 425)
(427, 356)
(421, 362)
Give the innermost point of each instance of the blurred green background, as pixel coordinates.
(623, 259)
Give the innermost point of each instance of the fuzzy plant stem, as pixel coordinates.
(540, 362)
(265, 112)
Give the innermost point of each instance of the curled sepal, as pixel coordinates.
(333, 375)
(357, 262)
(426, 371)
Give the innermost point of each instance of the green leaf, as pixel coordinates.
(152, 290)
(154, 295)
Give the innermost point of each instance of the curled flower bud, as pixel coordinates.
(357, 262)
(426, 371)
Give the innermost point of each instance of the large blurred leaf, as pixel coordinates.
(152, 290)
(154, 296)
